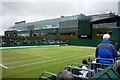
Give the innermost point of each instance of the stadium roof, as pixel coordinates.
(107, 20)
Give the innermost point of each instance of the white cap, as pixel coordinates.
(106, 36)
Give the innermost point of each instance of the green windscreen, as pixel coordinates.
(84, 29)
(116, 34)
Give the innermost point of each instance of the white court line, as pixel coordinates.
(21, 61)
(36, 59)
(32, 54)
(4, 66)
(27, 46)
(44, 61)
(29, 54)
(18, 47)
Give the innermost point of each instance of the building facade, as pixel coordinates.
(64, 28)
(25, 29)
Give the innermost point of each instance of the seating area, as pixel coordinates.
(94, 69)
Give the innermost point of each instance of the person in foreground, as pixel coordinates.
(65, 75)
(85, 66)
(106, 50)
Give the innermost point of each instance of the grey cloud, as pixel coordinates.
(35, 11)
(54, 8)
(37, 8)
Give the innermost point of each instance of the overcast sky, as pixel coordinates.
(34, 10)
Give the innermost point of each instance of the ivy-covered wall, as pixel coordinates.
(98, 32)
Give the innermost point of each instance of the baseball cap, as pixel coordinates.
(106, 36)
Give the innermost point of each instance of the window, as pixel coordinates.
(31, 27)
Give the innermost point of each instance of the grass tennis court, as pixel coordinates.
(31, 62)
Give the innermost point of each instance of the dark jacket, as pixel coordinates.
(106, 50)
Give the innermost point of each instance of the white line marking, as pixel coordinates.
(27, 46)
(4, 66)
(37, 59)
(20, 61)
(32, 54)
(44, 61)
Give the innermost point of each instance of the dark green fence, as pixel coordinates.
(116, 34)
(86, 42)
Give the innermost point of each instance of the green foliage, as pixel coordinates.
(96, 30)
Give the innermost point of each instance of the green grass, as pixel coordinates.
(31, 62)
